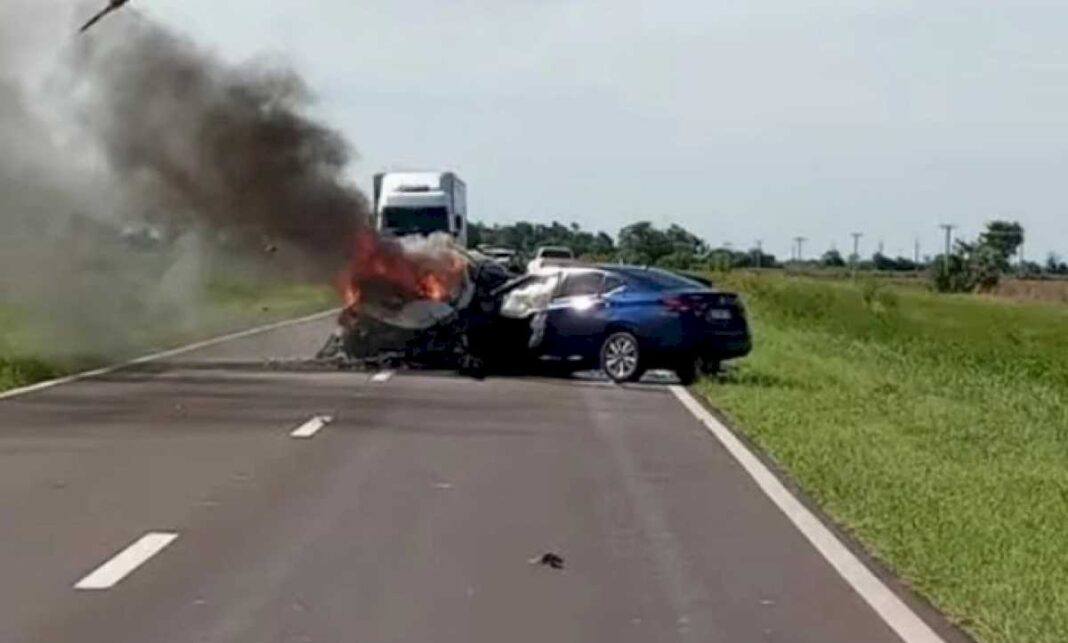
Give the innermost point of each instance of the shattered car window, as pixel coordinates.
(529, 297)
(580, 284)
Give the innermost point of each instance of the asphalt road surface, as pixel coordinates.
(216, 496)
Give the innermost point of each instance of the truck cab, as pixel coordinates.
(421, 203)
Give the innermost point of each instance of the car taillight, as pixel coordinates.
(676, 304)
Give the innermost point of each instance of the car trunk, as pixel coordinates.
(705, 311)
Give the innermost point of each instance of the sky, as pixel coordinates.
(742, 121)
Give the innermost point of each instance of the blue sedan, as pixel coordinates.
(626, 320)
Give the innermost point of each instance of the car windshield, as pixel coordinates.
(657, 279)
(555, 253)
(415, 220)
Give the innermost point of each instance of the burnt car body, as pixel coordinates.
(624, 319)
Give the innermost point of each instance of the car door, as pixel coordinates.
(577, 316)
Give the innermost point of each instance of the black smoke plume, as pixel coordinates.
(199, 142)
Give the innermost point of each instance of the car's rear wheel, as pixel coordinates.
(687, 370)
(710, 366)
(621, 357)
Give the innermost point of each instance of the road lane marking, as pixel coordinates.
(311, 427)
(126, 561)
(894, 612)
(40, 386)
(382, 376)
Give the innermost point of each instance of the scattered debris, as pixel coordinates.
(113, 5)
(549, 559)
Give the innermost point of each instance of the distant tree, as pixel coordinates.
(642, 243)
(1004, 238)
(832, 259)
(685, 241)
(525, 237)
(1055, 265)
(972, 267)
(603, 245)
(1031, 269)
(899, 264)
(757, 258)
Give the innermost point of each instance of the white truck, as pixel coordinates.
(421, 203)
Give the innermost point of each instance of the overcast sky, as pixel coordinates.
(764, 119)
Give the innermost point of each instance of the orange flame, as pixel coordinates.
(435, 275)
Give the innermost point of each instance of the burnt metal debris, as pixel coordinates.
(113, 5)
(549, 559)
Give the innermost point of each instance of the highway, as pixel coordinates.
(230, 494)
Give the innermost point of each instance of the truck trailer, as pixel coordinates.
(421, 203)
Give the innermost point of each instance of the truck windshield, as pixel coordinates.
(415, 220)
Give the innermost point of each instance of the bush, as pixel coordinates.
(972, 268)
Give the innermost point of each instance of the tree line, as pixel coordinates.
(972, 265)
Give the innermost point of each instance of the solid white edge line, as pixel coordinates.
(382, 376)
(311, 427)
(894, 612)
(40, 386)
(126, 561)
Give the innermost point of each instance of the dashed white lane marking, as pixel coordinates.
(382, 376)
(901, 619)
(311, 427)
(126, 561)
(40, 386)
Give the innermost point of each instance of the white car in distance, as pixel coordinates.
(547, 256)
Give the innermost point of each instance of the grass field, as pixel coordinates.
(27, 356)
(935, 428)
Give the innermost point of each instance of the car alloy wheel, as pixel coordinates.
(620, 357)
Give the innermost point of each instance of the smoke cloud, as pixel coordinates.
(198, 142)
(136, 164)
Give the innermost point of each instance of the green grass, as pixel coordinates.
(933, 427)
(29, 353)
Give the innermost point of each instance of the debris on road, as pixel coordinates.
(549, 559)
(113, 5)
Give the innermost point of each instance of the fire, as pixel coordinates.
(387, 265)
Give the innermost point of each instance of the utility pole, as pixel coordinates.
(948, 227)
(759, 252)
(1023, 259)
(854, 258)
(916, 254)
(800, 248)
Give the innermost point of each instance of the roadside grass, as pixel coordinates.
(935, 428)
(26, 355)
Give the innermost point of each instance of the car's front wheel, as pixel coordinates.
(621, 357)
